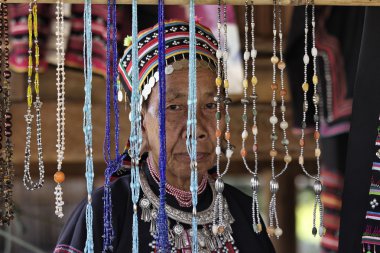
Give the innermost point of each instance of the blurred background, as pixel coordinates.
(36, 228)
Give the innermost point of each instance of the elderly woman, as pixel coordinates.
(239, 235)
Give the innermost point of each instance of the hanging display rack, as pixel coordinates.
(229, 2)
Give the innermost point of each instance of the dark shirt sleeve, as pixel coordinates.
(74, 234)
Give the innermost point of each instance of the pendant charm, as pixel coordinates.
(145, 208)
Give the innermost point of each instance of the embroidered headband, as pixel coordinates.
(176, 54)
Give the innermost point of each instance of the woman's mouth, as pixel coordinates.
(201, 156)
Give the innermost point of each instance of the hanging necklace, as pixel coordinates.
(274, 227)
(184, 198)
(6, 166)
(256, 223)
(87, 122)
(162, 224)
(218, 221)
(33, 37)
(191, 133)
(112, 164)
(136, 134)
(59, 176)
(305, 87)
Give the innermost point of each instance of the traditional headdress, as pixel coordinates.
(177, 49)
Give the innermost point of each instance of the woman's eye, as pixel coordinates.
(174, 107)
(211, 106)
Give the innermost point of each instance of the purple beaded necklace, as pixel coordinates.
(112, 164)
(162, 224)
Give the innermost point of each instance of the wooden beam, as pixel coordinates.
(232, 2)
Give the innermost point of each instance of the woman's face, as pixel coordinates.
(178, 161)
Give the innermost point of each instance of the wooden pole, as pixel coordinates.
(232, 2)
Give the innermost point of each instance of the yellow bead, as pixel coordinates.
(315, 79)
(218, 81)
(305, 87)
(254, 80)
(281, 65)
(273, 153)
(259, 227)
(287, 158)
(317, 152)
(226, 84)
(245, 83)
(274, 59)
(270, 231)
(301, 160)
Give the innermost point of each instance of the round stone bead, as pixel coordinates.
(274, 137)
(302, 142)
(273, 153)
(254, 80)
(245, 83)
(305, 87)
(314, 231)
(218, 133)
(281, 65)
(317, 152)
(278, 232)
(285, 142)
(244, 134)
(273, 103)
(226, 84)
(254, 147)
(317, 135)
(315, 79)
(227, 118)
(274, 59)
(246, 55)
(244, 117)
(283, 92)
(254, 112)
(255, 130)
(301, 160)
(273, 120)
(218, 81)
(270, 231)
(314, 51)
(218, 150)
(287, 158)
(274, 86)
(253, 53)
(283, 108)
(284, 125)
(229, 153)
(221, 230)
(218, 115)
(243, 152)
(227, 135)
(303, 125)
(306, 59)
(59, 177)
(259, 227)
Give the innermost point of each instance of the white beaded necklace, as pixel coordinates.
(60, 74)
(222, 57)
(305, 87)
(274, 227)
(256, 223)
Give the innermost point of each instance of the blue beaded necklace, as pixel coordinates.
(162, 224)
(191, 141)
(112, 164)
(136, 135)
(87, 122)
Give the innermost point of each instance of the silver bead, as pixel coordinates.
(317, 187)
(273, 186)
(219, 185)
(255, 184)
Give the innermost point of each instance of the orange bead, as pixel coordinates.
(316, 135)
(302, 142)
(274, 86)
(283, 92)
(227, 135)
(273, 153)
(243, 152)
(218, 133)
(59, 177)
